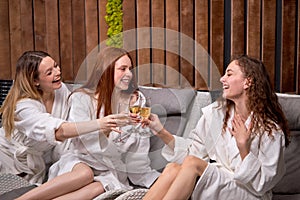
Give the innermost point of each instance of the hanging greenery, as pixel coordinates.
(114, 20)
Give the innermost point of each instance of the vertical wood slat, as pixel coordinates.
(237, 27)
(15, 32)
(91, 25)
(172, 43)
(4, 40)
(288, 49)
(91, 29)
(52, 34)
(143, 42)
(216, 43)
(186, 43)
(129, 26)
(26, 26)
(268, 34)
(298, 54)
(253, 29)
(102, 23)
(201, 47)
(78, 42)
(158, 42)
(66, 35)
(40, 36)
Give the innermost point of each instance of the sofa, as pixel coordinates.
(180, 110)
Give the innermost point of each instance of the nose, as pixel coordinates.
(57, 70)
(128, 72)
(222, 79)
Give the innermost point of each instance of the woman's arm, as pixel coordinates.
(157, 128)
(74, 129)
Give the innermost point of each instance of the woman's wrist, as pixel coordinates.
(165, 135)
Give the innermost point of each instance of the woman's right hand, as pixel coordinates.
(157, 128)
(153, 123)
(112, 122)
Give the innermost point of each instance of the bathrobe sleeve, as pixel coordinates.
(33, 120)
(264, 166)
(83, 109)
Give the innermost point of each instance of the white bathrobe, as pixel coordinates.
(230, 177)
(31, 148)
(113, 161)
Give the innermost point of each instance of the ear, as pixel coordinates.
(36, 83)
(247, 83)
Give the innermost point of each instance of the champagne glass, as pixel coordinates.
(134, 104)
(134, 107)
(123, 108)
(145, 112)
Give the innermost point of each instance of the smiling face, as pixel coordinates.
(49, 75)
(234, 83)
(123, 74)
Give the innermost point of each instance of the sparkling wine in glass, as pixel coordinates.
(134, 104)
(135, 109)
(145, 112)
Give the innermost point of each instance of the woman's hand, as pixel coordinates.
(153, 123)
(111, 122)
(241, 134)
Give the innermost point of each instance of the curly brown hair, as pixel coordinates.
(262, 99)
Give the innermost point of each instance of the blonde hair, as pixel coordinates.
(23, 87)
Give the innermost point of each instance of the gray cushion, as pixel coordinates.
(168, 101)
(201, 100)
(290, 184)
(291, 107)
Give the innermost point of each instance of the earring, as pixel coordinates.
(37, 85)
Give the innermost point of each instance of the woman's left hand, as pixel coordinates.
(241, 134)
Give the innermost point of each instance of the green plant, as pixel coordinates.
(114, 20)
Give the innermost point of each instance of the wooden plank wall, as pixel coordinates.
(174, 43)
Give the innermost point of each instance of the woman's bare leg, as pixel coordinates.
(87, 192)
(183, 186)
(80, 176)
(161, 186)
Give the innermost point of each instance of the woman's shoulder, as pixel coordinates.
(82, 94)
(214, 110)
(30, 105)
(28, 102)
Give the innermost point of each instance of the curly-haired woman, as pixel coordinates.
(245, 133)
